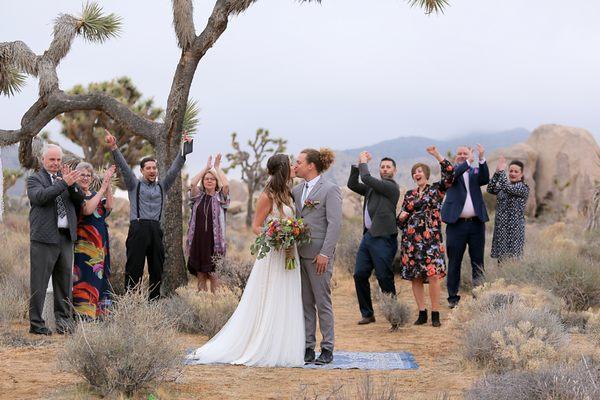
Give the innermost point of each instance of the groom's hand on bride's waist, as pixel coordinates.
(321, 262)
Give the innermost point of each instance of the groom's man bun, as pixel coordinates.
(322, 158)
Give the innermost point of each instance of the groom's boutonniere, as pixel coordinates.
(311, 203)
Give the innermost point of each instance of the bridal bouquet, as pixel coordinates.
(281, 234)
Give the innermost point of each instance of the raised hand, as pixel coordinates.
(186, 137)
(434, 152)
(209, 163)
(71, 177)
(471, 155)
(501, 166)
(111, 141)
(218, 161)
(480, 151)
(107, 180)
(64, 170)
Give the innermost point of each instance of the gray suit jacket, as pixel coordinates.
(381, 197)
(43, 218)
(324, 219)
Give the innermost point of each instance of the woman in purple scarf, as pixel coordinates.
(209, 198)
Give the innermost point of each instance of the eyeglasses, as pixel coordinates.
(86, 176)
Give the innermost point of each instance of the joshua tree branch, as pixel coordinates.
(44, 111)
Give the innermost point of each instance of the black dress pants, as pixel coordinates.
(459, 235)
(145, 241)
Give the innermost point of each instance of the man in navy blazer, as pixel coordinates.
(465, 216)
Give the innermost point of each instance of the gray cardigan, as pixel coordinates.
(381, 198)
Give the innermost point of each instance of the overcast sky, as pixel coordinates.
(345, 73)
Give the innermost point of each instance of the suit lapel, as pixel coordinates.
(315, 190)
(298, 197)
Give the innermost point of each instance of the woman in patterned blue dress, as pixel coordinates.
(511, 200)
(91, 269)
(421, 246)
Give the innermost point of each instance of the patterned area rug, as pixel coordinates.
(361, 360)
(369, 361)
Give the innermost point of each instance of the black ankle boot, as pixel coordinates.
(422, 318)
(435, 319)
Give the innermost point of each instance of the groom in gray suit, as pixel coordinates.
(319, 202)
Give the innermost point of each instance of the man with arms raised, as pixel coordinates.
(146, 198)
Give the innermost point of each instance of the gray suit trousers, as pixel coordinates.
(316, 300)
(56, 261)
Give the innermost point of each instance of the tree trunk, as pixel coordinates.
(1, 189)
(250, 206)
(174, 270)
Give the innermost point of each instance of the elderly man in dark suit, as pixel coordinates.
(54, 197)
(465, 214)
(380, 233)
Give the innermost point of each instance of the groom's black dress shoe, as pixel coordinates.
(309, 355)
(366, 320)
(40, 331)
(325, 357)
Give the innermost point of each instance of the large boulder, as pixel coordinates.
(567, 169)
(529, 157)
(238, 191)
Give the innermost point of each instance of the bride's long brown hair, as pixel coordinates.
(278, 185)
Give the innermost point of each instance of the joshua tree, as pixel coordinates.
(254, 173)
(86, 128)
(17, 59)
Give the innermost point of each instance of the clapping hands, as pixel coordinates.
(501, 166)
(107, 180)
(364, 157)
(70, 177)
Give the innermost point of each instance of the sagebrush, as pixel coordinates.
(133, 348)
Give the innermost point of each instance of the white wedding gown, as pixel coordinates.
(267, 327)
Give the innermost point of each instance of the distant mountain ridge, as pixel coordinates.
(407, 150)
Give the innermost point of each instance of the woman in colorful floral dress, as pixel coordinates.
(209, 197)
(421, 246)
(91, 267)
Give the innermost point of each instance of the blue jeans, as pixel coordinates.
(374, 253)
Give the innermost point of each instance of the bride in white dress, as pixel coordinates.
(267, 328)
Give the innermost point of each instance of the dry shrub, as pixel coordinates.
(492, 296)
(118, 259)
(567, 275)
(566, 382)
(593, 328)
(18, 340)
(347, 246)
(233, 271)
(201, 312)
(366, 389)
(14, 299)
(394, 310)
(514, 337)
(132, 348)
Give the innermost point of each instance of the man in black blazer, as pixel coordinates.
(465, 214)
(380, 233)
(54, 197)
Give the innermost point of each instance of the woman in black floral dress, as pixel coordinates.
(422, 246)
(511, 199)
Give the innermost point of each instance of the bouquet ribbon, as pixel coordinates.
(290, 260)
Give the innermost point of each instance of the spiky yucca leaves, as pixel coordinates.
(430, 6)
(190, 119)
(11, 80)
(183, 22)
(94, 26)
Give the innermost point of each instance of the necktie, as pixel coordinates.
(305, 193)
(60, 205)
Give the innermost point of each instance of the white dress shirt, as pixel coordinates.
(468, 210)
(308, 186)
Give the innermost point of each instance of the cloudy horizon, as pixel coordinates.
(345, 74)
